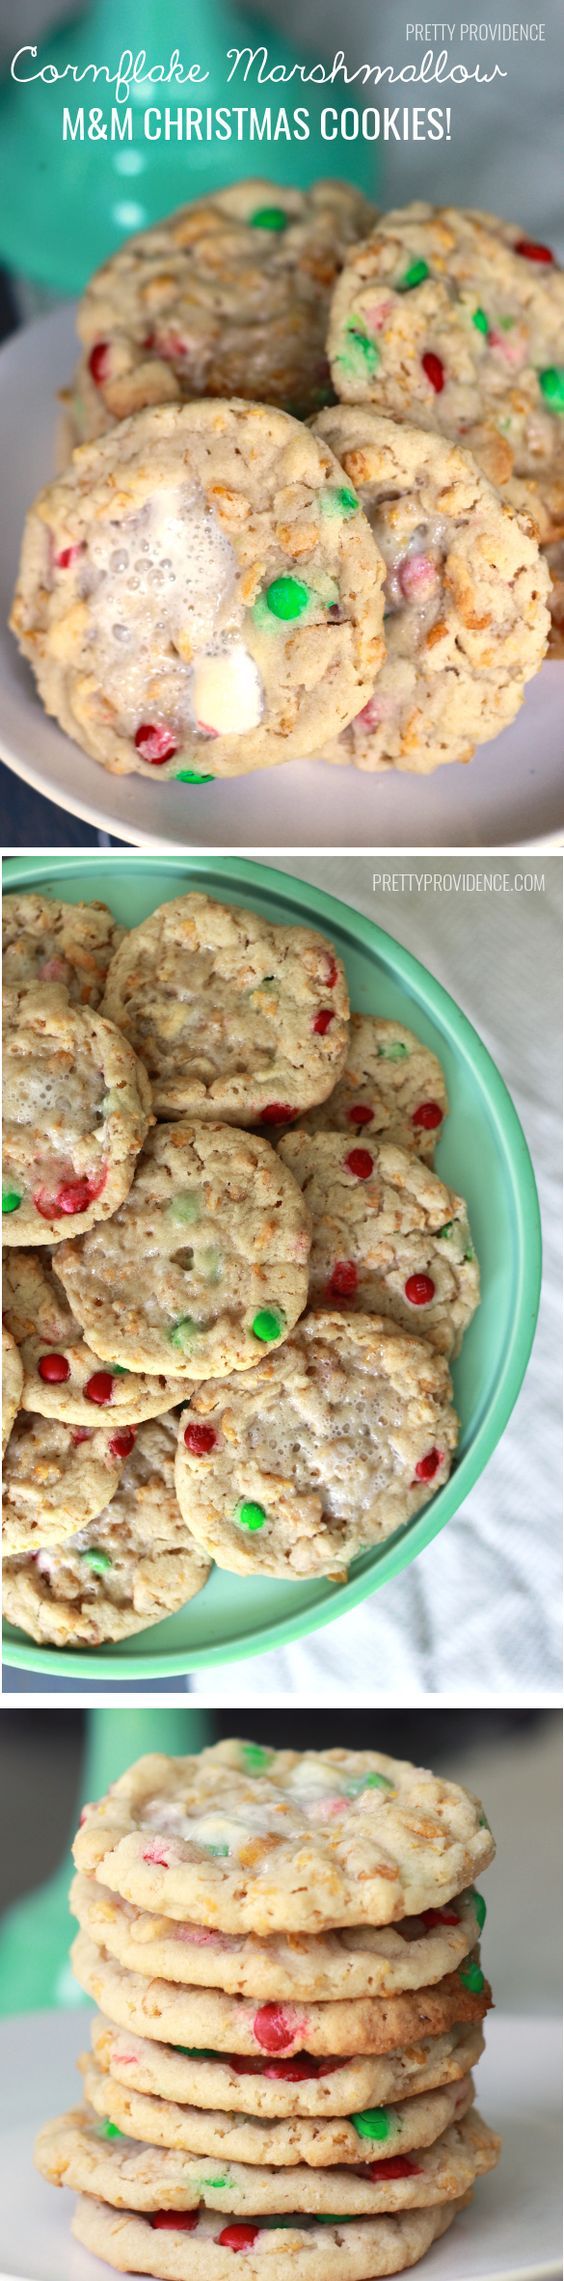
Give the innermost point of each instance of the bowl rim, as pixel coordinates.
(390, 1559)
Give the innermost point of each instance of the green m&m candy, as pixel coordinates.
(287, 597)
(183, 1332)
(480, 1907)
(109, 2130)
(472, 1977)
(256, 1759)
(551, 382)
(10, 1200)
(96, 1560)
(192, 776)
(249, 1515)
(339, 500)
(270, 218)
(415, 275)
(186, 1208)
(363, 349)
(395, 1052)
(369, 1782)
(372, 2122)
(479, 319)
(267, 1325)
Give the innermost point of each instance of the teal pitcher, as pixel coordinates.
(66, 205)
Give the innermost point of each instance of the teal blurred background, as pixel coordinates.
(51, 1761)
(64, 206)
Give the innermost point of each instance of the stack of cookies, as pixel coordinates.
(233, 1281)
(284, 1950)
(228, 575)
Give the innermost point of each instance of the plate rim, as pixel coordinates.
(398, 1554)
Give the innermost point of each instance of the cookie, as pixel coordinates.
(12, 1384)
(74, 2151)
(363, 1960)
(455, 320)
(391, 1088)
(276, 2088)
(77, 1106)
(55, 1480)
(227, 297)
(388, 1237)
(131, 1566)
(200, 593)
(233, 1017)
(372, 2246)
(208, 2020)
(466, 595)
(62, 1376)
(322, 1452)
(69, 943)
(206, 1263)
(318, 2142)
(292, 1828)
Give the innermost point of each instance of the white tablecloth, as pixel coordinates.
(478, 1612)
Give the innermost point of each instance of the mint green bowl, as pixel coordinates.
(482, 1153)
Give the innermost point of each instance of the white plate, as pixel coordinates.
(512, 795)
(510, 2233)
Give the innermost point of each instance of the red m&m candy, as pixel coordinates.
(99, 362)
(68, 554)
(122, 1443)
(394, 2166)
(200, 1440)
(434, 370)
(176, 2221)
(321, 1021)
(532, 252)
(361, 1114)
(155, 744)
(277, 1113)
(425, 1471)
(237, 2237)
(360, 1163)
(53, 1369)
(331, 974)
(428, 1115)
(70, 1197)
(99, 1388)
(275, 2027)
(420, 1290)
(343, 1280)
